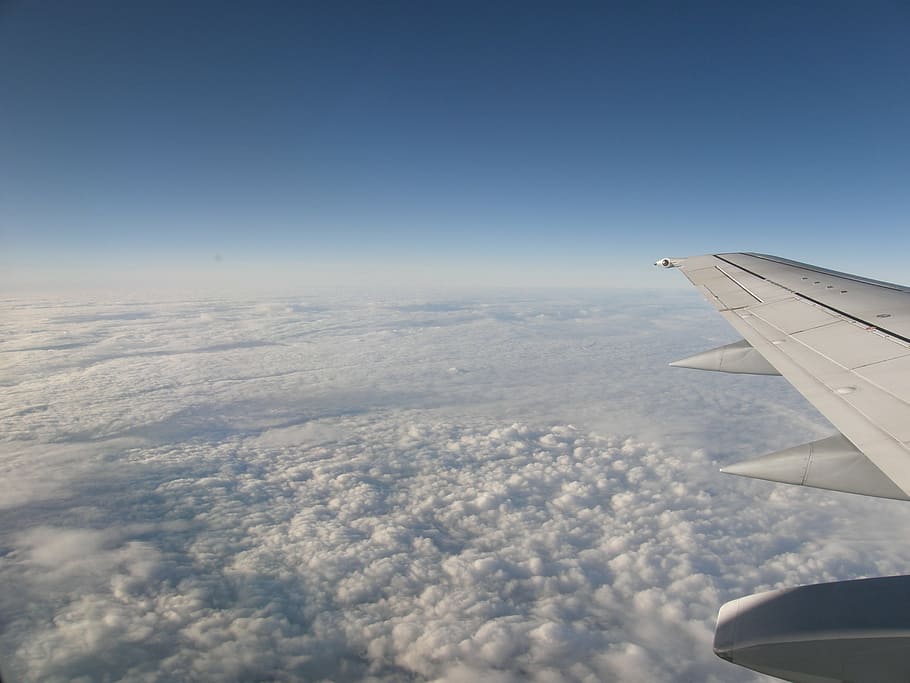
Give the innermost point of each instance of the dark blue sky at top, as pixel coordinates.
(499, 133)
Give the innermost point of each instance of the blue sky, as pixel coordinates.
(510, 143)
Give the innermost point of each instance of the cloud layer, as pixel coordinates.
(491, 489)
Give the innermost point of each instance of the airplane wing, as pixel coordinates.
(841, 340)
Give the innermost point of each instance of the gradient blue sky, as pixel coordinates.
(452, 143)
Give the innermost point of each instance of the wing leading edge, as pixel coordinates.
(841, 340)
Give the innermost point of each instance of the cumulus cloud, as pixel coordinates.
(268, 490)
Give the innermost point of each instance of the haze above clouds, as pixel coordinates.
(494, 488)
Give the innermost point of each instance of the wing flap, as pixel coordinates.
(843, 397)
(850, 345)
(792, 315)
(892, 376)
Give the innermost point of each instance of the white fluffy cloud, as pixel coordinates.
(305, 490)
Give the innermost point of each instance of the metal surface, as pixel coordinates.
(832, 463)
(843, 631)
(843, 342)
(737, 358)
(821, 330)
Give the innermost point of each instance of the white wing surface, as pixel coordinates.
(842, 341)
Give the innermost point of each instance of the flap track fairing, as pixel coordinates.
(739, 358)
(831, 463)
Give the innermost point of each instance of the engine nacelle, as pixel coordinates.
(824, 633)
(666, 263)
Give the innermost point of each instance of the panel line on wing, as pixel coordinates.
(827, 398)
(866, 323)
(868, 402)
(741, 285)
(826, 271)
